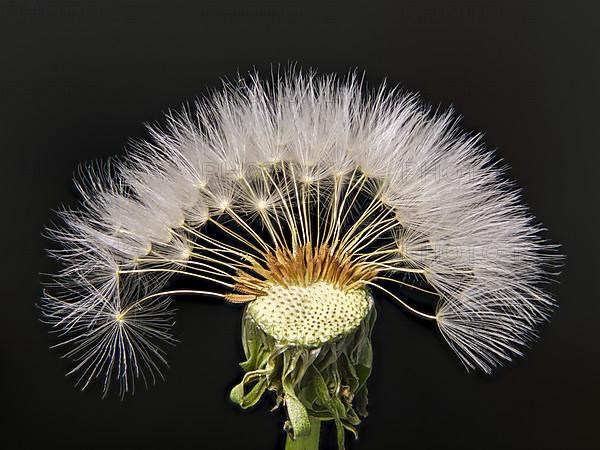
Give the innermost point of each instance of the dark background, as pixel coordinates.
(78, 79)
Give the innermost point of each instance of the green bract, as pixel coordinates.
(316, 379)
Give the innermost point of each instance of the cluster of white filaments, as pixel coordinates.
(294, 184)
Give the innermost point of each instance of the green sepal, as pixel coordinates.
(238, 395)
(296, 411)
(298, 417)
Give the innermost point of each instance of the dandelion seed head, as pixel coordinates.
(286, 192)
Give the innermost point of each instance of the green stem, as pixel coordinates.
(310, 442)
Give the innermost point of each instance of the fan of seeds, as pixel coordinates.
(308, 199)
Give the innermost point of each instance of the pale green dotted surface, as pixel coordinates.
(309, 315)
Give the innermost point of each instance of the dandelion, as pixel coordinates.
(308, 200)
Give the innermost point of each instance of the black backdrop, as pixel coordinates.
(78, 79)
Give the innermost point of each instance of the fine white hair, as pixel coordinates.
(458, 222)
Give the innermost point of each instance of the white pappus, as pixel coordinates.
(262, 179)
